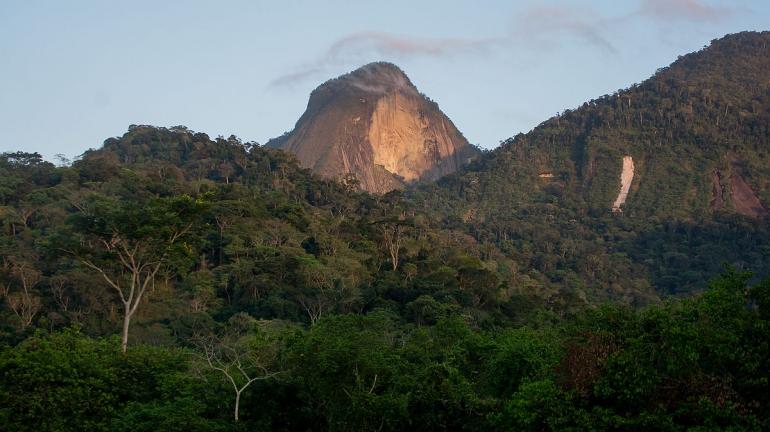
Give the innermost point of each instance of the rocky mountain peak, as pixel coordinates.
(377, 77)
(374, 124)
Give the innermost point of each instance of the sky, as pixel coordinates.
(74, 73)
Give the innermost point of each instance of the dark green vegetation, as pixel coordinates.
(694, 364)
(244, 286)
(694, 130)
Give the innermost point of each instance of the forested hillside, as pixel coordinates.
(235, 228)
(171, 281)
(698, 134)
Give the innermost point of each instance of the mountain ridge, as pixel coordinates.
(551, 190)
(624, 111)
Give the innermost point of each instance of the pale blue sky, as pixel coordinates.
(73, 73)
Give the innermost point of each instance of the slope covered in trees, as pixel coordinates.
(697, 133)
(165, 229)
(693, 364)
(170, 281)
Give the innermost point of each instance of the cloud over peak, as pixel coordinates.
(536, 27)
(688, 10)
(358, 47)
(386, 44)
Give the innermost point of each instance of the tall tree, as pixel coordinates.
(243, 354)
(128, 244)
(24, 303)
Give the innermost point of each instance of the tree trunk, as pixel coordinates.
(237, 404)
(126, 321)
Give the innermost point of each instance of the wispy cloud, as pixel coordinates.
(301, 74)
(392, 45)
(688, 10)
(535, 27)
(556, 23)
(356, 47)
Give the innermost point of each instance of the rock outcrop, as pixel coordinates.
(374, 124)
(744, 199)
(626, 177)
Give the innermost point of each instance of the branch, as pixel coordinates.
(209, 356)
(93, 266)
(149, 278)
(180, 233)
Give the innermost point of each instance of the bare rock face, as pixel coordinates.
(744, 199)
(626, 177)
(374, 124)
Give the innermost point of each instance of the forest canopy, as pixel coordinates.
(173, 281)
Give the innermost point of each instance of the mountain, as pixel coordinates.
(255, 266)
(659, 183)
(495, 298)
(374, 124)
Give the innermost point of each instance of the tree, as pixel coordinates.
(128, 244)
(23, 159)
(24, 303)
(349, 367)
(393, 230)
(243, 355)
(318, 289)
(351, 183)
(66, 382)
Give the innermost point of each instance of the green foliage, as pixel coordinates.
(538, 405)
(349, 366)
(691, 364)
(494, 300)
(521, 355)
(67, 382)
(691, 129)
(178, 415)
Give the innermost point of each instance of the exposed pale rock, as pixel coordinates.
(375, 124)
(626, 176)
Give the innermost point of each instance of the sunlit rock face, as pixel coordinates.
(374, 123)
(626, 177)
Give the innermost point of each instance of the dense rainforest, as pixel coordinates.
(171, 281)
(698, 132)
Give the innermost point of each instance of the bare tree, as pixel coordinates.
(132, 280)
(319, 294)
(240, 360)
(58, 289)
(410, 271)
(24, 303)
(128, 246)
(351, 183)
(393, 234)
